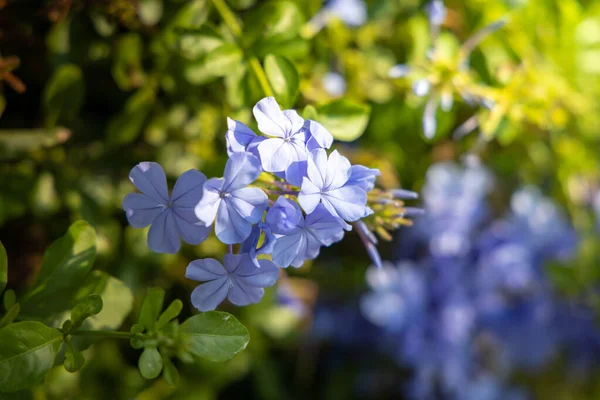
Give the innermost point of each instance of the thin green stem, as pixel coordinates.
(236, 30)
(107, 334)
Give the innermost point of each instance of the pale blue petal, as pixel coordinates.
(348, 202)
(284, 216)
(253, 146)
(323, 226)
(207, 269)
(187, 191)
(264, 276)
(319, 137)
(317, 167)
(241, 170)
(230, 226)
(238, 136)
(296, 172)
(150, 179)
(287, 248)
(429, 121)
(163, 236)
(276, 154)
(242, 294)
(338, 171)
(310, 196)
(363, 177)
(250, 203)
(209, 295)
(191, 232)
(206, 209)
(141, 210)
(271, 120)
(296, 121)
(313, 247)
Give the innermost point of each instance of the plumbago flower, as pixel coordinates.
(281, 196)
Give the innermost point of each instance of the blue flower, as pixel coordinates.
(295, 244)
(352, 12)
(239, 280)
(235, 206)
(287, 143)
(363, 177)
(317, 136)
(240, 138)
(436, 12)
(326, 183)
(250, 245)
(171, 217)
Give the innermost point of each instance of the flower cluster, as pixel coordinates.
(470, 301)
(281, 195)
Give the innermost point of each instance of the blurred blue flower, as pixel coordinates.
(326, 183)
(436, 12)
(235, 206)
(334, 84)
(352, 12)
(296, 244)
(239, 280)
(170, 217)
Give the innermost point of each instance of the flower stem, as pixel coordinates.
(107, 334)
(236, 30)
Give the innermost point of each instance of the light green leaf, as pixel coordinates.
(151, 307)
(170, 372)
(219, 62)
(3, 268)
(283, 78)
(171, 312)
(214, 335)
(15, 142)
(150, 363)
(66, 262)
(10, 299)
(44, 198)
(27, 352)
(126, 127)
(89, 306)
(64, 95)
(346, 120)
(73, 359)
(193, 43)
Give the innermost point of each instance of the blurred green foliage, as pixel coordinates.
(90, 88)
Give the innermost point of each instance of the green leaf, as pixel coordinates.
(278, 20)
(44, 198)
(218, 63)
(117, 299)
(170, 372)
(27, 352)
(151, 307)
(283, 78)
(10, 315)
(73, 359)
(89, 306)
(3, 268)
(126, 126)
(191, 16)
(150, 363)
(10, 299)
(193, 43)
(127, 68)
(66, 262)
(309, 112)
(214, 335)
(64, 95)
(170, 313)
(346, 120)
